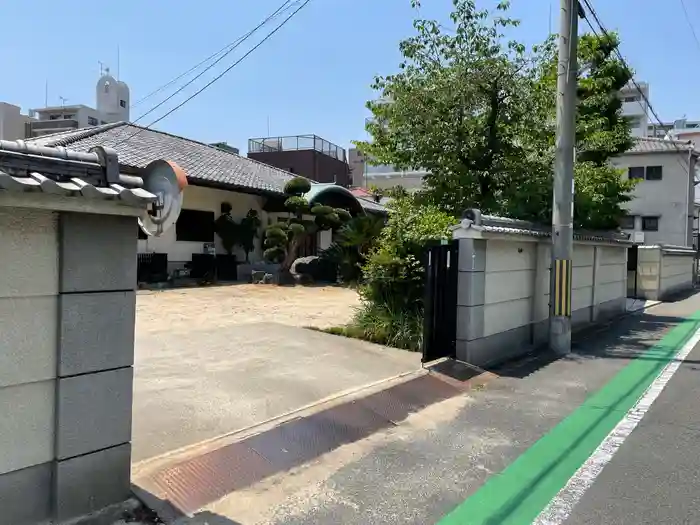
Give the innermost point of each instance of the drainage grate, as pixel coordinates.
(209, 477)
(194, 483)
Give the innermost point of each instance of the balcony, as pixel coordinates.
(42, 127)
(296, 143)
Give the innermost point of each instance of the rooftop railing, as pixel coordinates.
(296, 143)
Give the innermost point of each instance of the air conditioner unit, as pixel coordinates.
(638, 237)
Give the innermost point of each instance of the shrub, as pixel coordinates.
(352, 245)
(394, 273)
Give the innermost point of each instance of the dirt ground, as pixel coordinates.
(219, 306)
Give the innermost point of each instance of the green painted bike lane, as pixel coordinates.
(518, 494)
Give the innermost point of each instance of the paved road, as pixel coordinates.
(655, 475)
(479, 459)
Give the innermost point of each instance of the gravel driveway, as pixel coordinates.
(220, 306)
(209, 361)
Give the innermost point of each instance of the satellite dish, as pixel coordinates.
(166, 180)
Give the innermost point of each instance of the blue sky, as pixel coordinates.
(313, 76)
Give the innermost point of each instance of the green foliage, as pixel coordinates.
(394, 272)
(297, 205)
(248, 232)
(283, 239)
(382, 325)
(234, 233)
(477, 111)
(351, 246)
(297, 186)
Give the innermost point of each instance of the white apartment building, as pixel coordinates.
(634, 106)
(112, 101)
(663, 209)
(364, 175)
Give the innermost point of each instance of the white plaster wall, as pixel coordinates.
(611, 274)
(28, 336)
(517, 281)
(676, 271)
(206, 199)
(510, 279)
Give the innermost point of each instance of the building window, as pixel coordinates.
(92, 121)
(635, 172)
(627, 222)
(68, 116)
(632, 99)
(650, 224)
(195, 226)
(54, 117)
(122, 103)
(654, 172)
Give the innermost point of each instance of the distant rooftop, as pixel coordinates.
(296, 143)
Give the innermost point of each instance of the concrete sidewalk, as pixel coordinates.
(421, 469)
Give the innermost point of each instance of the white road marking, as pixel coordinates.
(563, 503)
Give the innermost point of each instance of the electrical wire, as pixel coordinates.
(232, 48)
(618, 54)
(224, 49)
(218, 77)
(690, 23)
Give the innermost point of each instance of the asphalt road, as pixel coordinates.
(446, 456)
(655, 475)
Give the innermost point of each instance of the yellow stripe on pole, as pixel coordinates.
(563, 275)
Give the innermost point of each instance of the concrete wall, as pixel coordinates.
(671, 199)
(503, 295)
(663, 271)
(67, 308)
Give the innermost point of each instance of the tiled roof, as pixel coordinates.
(370, 205)
(137, 146)
(505, 225)
(18, 162)
(655, 145)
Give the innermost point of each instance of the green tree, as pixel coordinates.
(283, 238)
(455, 108)
(602, 132)
(477, 111)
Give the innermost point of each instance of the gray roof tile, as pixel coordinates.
(31, 168)
(137, 146)
(655, 145)
(505, 225)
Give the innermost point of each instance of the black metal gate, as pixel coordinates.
(440, 308)
(632, 258)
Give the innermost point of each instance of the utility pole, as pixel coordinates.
(563, 208)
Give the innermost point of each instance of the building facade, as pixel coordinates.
(382, 176)
(663, 208)
(635, 106)
(306, 155)
(112, 105)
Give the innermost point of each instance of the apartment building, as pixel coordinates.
(112, 101)
(663, 209)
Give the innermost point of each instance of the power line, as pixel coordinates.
(218, 77)
(619, 56)
(690, 24)
(242, 39)
(224, 49)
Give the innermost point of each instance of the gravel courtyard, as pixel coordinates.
(219, 306)
(210, 361)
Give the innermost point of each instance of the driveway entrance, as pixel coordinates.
(211, 361)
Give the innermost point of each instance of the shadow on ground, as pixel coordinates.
(628, 337)
(163, 511)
